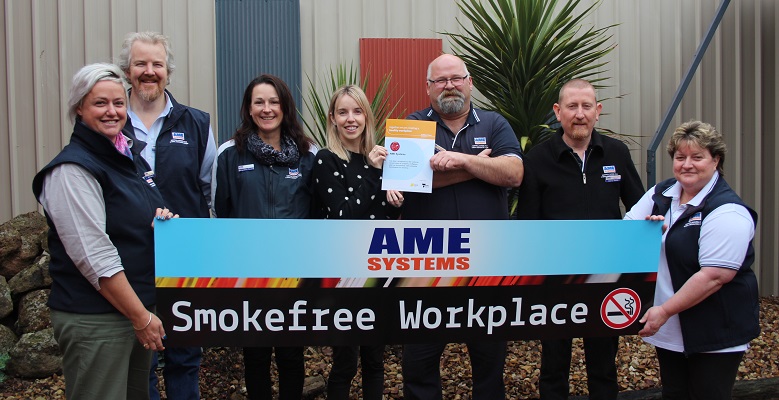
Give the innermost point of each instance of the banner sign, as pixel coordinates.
(244, 282)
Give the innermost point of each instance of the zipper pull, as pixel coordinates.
(586, 158)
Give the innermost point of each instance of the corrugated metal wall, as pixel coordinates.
(331, 29)
(406, 60)
(46, 41)
(736, 87)
(254, 37)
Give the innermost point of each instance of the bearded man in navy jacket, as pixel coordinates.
(181, 151)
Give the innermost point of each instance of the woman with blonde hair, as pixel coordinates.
(347, 176)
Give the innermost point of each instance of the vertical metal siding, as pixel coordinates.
(769, 110)
(21, 95)
(46, 42)
(331, 30)
(6, 188)
(254, 37)
(406, 60)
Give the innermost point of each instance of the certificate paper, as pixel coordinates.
(410, 144)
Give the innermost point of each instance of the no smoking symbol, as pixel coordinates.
(620, 308)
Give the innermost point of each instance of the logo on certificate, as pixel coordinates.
(395, 146)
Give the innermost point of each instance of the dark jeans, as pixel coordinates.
(600, 354)
(181, 373)
(700, 376)
(422, 373)
(345, 367)
(289, 361)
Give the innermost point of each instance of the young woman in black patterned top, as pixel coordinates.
(347, 183)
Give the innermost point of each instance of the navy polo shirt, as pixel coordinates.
(472, 199)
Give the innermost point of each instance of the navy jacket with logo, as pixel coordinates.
(178, 159)
(130, 203)
(730, 316)
(244, 188)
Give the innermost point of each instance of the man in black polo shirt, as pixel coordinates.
(578, 174)
(481, 157)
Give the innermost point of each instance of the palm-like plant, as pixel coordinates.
(522, 51)
(318, 100)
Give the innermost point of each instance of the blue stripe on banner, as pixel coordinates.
(251, 248)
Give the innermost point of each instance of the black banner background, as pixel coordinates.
(385, 303)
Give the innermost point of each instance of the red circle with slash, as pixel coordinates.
(620, 308)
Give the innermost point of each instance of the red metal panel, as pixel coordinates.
(407, 60)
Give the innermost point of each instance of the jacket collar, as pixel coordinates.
(174, 114)
(129, 132)
(665, 193)
(473, 117)
(560, 148)
(99, 144)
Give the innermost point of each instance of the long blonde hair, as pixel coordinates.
(368, 138)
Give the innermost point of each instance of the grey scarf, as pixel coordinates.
(267, 155)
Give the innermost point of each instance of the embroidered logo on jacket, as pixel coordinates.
(245, 167)
(610, 174)
(479, 143)
(695, 220)
(294, 173)
(148, 176)
(178, 137)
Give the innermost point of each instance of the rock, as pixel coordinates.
(759, 389)
(20, 242)
(45, 240)
(7, 339)
(35, 355)
(34, 314)
(33, 277)
(6, 303)
(10, 242)
(313, 386)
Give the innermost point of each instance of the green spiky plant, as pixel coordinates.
(318, 100)
(520, 52)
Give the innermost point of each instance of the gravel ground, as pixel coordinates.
(222, 370)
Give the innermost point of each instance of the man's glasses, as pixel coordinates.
(456, 81)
